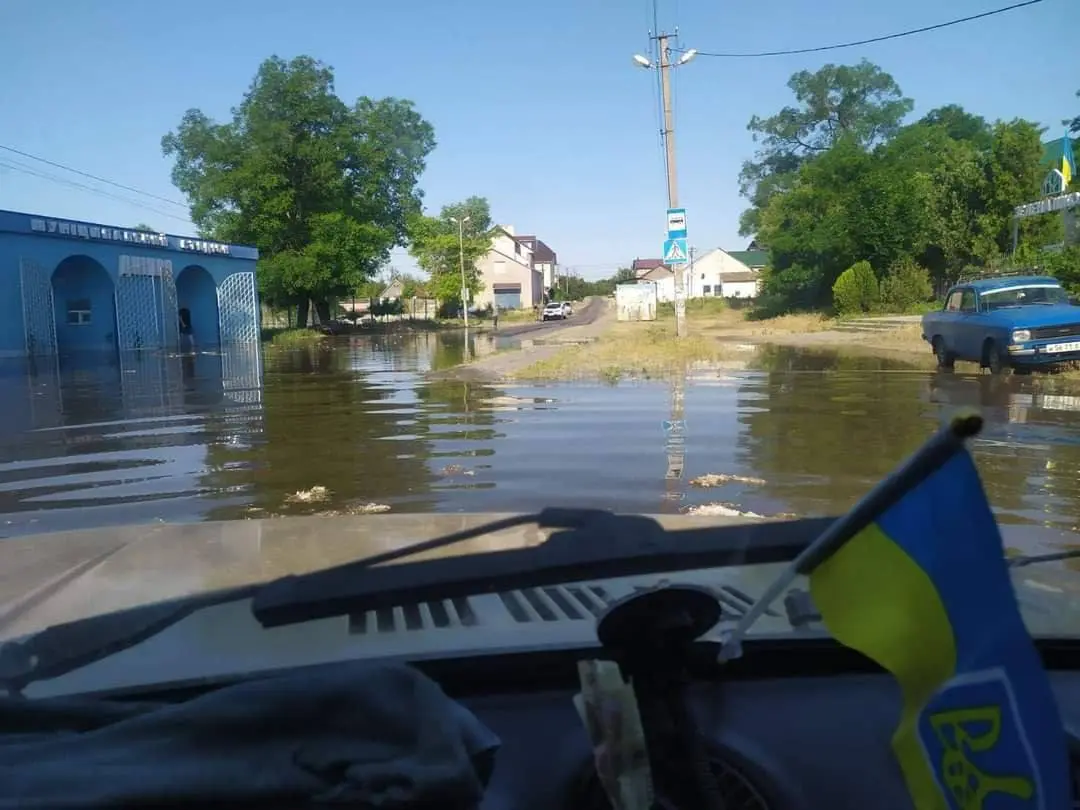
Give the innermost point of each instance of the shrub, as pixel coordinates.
(856, 290)
(906, 286)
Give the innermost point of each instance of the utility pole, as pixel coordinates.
(665, 66)
(461, 254)
(672, 173)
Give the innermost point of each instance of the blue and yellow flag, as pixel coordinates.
(925, 592)
(1068, 160)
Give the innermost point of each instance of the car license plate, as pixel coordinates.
(1061, 348)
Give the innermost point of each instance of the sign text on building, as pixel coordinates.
(202, 246)
(82, 230)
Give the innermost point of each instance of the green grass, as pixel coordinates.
(292, 338)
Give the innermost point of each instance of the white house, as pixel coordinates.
(730, 274)
(507, 273)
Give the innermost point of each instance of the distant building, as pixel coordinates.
(393, 291)
(728, 274)
(507, 273)
(543, 259)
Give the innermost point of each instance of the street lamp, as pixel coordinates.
(461, 253)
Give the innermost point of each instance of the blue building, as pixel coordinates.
(84, 289)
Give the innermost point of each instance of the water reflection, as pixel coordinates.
(675, 445)
(339, 428)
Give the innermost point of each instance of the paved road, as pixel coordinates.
(587, 312)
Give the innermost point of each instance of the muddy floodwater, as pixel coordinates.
(362, 427)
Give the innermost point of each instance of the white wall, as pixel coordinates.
(741, 289)
(549, 273)
(665, 288)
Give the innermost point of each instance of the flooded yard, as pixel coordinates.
(362, 427)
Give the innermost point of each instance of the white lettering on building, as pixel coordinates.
(202, 246)
(82, 230)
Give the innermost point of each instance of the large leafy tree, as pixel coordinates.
(841, 181)
(440, 247)
(860, 103)
(322, 188)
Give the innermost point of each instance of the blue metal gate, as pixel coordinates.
(39, 318)
(146, 314)
(238, 309)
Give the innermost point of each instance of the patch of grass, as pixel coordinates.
(696, 308)
(516, 316)
(736, 322)
(293, 338)
(641, 349)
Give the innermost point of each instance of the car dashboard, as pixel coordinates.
(782, 742)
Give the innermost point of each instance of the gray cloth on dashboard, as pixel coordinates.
(367, 735)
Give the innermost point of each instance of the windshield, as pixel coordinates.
(286, 312)
(1024, 295)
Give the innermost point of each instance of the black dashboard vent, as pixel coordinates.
(556, 603)
(737, 791)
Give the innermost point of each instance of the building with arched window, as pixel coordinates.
(71, 288)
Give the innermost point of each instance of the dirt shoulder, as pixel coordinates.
(607, 349)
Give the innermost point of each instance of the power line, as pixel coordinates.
(871, 40)
(94, 177)
(6, 164)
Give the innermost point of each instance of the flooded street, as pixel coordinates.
(360, 427)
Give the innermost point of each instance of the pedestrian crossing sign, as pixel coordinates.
(675, 252)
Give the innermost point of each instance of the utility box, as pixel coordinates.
(636, 301)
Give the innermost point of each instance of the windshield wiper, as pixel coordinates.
(62, 648)
(594, 544)
(1038, 559)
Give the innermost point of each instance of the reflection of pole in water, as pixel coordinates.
(675, 443)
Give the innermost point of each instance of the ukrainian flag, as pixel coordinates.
(1068, 160)
(925, 592)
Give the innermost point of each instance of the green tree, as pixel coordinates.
(142, 226)
(905, 286)
(960, 125)
(859, 102)
(323, 189)
(856, 290)
(439, 247)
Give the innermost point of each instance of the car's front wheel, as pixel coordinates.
(945, 358)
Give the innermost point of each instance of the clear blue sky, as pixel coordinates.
(535, 105)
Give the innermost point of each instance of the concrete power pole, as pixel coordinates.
(672, 173)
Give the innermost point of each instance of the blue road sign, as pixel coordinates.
(676, 223)
(675, 252)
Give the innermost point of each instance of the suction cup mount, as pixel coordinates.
(652, 635)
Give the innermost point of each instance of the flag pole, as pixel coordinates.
(937, 450)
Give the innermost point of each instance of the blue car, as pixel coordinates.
(1018, 322)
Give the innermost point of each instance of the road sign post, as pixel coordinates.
(676, 256)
